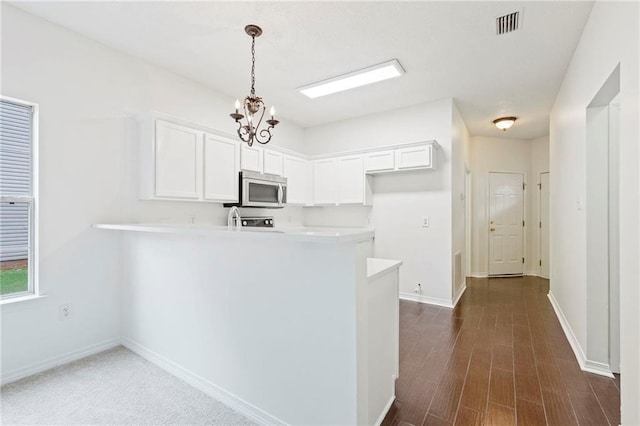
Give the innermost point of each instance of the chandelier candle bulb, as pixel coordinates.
(272, 112)
(237, 105)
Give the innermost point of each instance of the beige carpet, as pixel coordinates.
(115, 387)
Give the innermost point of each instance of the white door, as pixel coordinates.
(324, 181)
(351, 180)
(298, 172)
(177, 168)
(506, 223)
(544, 225)
(272, 162)
(379, 161)
(251, 158)
(221, 166)
(414, 157)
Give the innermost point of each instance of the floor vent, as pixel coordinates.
(508, 23)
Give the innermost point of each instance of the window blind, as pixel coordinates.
(15, 149)
(15, 179)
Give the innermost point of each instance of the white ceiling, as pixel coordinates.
(449, 49)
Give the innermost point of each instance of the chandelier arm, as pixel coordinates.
(257, 125)
(266, 134)
(245, 134)
(248, 114)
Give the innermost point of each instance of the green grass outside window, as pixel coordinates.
(13, 280)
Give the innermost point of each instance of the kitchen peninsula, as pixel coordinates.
(282, 325)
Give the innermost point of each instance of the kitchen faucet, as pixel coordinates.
(234, 221)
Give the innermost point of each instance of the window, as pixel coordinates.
(18, 198)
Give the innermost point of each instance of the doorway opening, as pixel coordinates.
(602, 214)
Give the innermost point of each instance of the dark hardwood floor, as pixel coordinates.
(499, 358)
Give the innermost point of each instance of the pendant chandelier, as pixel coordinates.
(252, 106)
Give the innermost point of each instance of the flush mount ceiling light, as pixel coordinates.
(369, 75)
(504, 123)
(253, 106)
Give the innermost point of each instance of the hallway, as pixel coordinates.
(499, 358)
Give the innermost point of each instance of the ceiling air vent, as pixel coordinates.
(507, 23)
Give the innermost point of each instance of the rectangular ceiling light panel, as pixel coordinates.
(369, 75)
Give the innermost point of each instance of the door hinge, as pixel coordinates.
(523, 223)
(540, 225)
(523, 186)
(540, 186)
(523, 260)
(540, 263)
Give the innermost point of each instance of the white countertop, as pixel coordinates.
(307, 234)
(377, 266)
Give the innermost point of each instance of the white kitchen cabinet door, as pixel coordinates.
(272, 162)
(325, 181)
(221, 167)
(351, 180)
(251, 158)
(178, 167)
(414, 157)
(299, 174)
(380, 161)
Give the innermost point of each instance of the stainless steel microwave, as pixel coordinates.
(261, 190)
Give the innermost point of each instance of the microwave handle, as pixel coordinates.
(280, 193)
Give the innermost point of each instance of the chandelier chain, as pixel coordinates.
(253, 65)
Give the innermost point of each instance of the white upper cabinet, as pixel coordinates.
(299, 174)
(351, 180)
(185, 161)
(221, 165)
(251, 158)
(325, 181)
(262, 160)
(414, 157)
(379, 161)
(177, 161)
(272, 162)
(180, 162)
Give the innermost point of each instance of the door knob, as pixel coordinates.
(492, 229)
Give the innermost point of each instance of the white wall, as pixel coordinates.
(89, 96)
(401, 200)
(529, 157)
(611, 37)
(273, 360)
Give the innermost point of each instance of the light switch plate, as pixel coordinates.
(425, 221)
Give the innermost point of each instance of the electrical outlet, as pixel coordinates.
(425, 221)
(65, 312)
(192, 219)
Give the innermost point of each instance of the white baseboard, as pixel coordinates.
(38, 367)
(227, 398)
(424, 299)
(456, 299)
(585, 364)
(597, 368)
(385, 411)
(479, 275)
